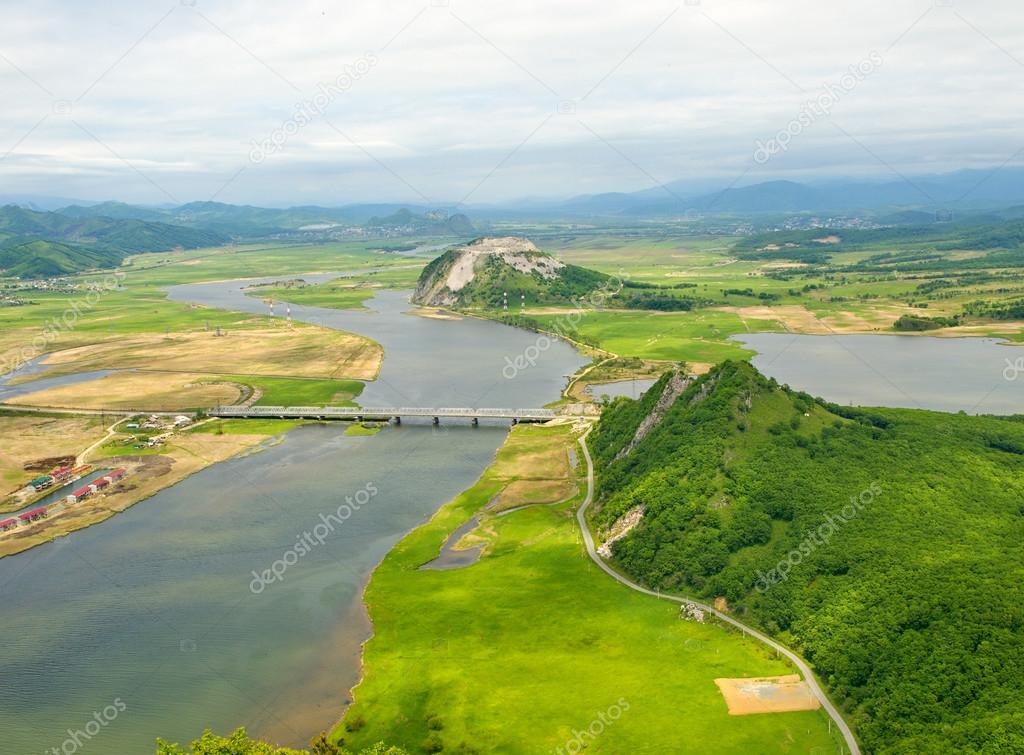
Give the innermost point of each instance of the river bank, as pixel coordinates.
(158, 606)
(184, 454)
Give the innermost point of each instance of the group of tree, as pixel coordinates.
(886, 545)
(240, 743)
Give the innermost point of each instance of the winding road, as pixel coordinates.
(800, 663)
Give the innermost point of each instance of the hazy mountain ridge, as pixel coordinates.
(248, 221)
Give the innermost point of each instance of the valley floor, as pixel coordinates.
(524, 650)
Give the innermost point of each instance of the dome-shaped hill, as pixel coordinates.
(485, 271)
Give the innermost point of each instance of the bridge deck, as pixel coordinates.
(368, 412)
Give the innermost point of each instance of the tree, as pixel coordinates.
(240, 743)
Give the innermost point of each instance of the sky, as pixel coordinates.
(477, 102)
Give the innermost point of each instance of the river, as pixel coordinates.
(152, 623)
(974, 375)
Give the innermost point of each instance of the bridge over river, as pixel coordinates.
(359, 413)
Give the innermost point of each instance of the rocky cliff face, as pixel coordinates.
(447, 280)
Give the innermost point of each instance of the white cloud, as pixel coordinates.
(673, 90)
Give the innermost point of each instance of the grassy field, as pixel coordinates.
(296, 392)
(754, 295)
(107, 306)
(257, 426)
(515, 652)
(283, 349)
(144, 391)
(698, 337)
(344, 293)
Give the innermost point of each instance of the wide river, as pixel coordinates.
(152, 621)
(973, 375)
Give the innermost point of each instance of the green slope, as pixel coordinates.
(38, 244)
(517, 652)
(494, 278)
(885, 545)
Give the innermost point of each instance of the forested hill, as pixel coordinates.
(40, 244)
(886, 545)
(492, 272)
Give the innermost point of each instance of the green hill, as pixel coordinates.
(886, 545)
(429, 222)
(40, 244)
(485, 271)
(42, 259)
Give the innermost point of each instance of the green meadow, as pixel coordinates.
(516, 653)
(698, 336)
(275, 391)
(350, 292)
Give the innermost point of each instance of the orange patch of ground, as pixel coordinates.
(767, 694)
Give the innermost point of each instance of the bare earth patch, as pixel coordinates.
(851, 322)
(435, 314)
(791, 317)
(768, 694)
(146, 391)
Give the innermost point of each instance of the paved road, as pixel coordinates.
(816, 690)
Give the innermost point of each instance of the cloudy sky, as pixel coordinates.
(330, 102)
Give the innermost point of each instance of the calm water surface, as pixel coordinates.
(627, 388)
(975, 375)
(156, 607)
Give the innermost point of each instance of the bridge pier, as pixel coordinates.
(437, 420)
(515, 421)
(476, 421)
(398, 420)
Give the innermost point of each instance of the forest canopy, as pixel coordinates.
(885, 545)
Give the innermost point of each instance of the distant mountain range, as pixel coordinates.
(246, 221)
(80, 237)
(962, 191)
